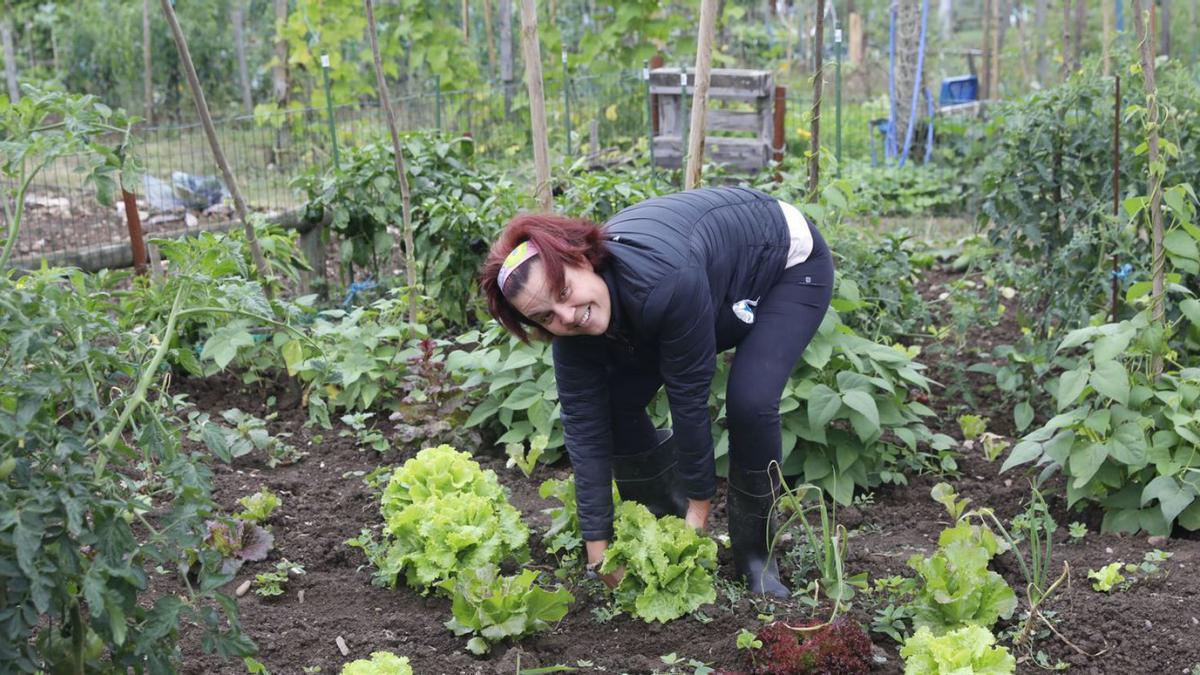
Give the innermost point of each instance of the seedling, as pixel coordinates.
(1106, 578)
(1077, 531)
(748, 641)
(673, 660)
(972, 426)
(526, 461)
(944, 494)
(269, 584)
(364, 435)
(994, 445)
(259, 506)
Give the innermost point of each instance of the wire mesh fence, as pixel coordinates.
(180, 191)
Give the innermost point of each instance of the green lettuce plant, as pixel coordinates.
(668, 565)
(969, 649)
(957, 586)
(380, 663)
(259, 506)
(564, 533)
(493, 607)
(1106, 578)
(443, 515)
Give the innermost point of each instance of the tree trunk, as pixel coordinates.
(491, 39)
(814, 159)
(946, 18)
(1022, 41)
(466, 21)
(189, 69)
(704, 40)
(532, 51)
(410, 254)
(147, 65)
(506, 54)
(238, 17)
(1143, 23)
(10, 56)
(30, 52)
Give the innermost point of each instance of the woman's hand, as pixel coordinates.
(595, 556)
(697, 513)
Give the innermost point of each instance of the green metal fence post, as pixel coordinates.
(837, 79)
(329, 107)
(567, 97)
(437, 102)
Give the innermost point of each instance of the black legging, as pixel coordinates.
(786, 319)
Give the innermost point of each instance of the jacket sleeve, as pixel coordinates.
(687, 344)
(583, 392)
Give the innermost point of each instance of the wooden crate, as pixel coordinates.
(752, 90)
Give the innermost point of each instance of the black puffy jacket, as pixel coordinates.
(678, 264)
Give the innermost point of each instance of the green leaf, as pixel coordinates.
(1172, 497)
(222, 346)
(1109, 347)
(1071, 385)
(862, 402)
(1111, 380)
(1191, 309)
(1180, 243)
(525, 395)
(823, 405)
(1085, 462)
(1023, 415)
(1025, 451)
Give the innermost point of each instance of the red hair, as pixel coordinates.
(560, 241)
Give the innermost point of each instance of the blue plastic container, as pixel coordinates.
(956, 90)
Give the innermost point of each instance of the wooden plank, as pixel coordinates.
(714, 94)
(747, 154)
(734, 120)
(757, 82)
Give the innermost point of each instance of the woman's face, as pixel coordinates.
(582, 307)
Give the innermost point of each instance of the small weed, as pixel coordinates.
(605, 613)
(674, 661)
(1077, 531)
(365, 436)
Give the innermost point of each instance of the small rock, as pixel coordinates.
(1108, 549)
(300, 596)
(341, 645)
(1156, 540)
(241, 590)
(1149, 625)
(1195, 621)
(1007, 482)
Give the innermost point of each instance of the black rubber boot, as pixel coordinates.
(649, 478)
(752, 529)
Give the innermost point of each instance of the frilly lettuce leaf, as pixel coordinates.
(668, 565)
(966, 651)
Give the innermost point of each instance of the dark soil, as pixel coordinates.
(1152, 627)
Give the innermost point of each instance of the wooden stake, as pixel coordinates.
(814, 159)
(537, 103)
(708, 22)
(1106, 15)
(491, 39)
(133, 221)
(1144, 24)
(147, 63)
(1066, 48)
(185, 57)
(410, 252)
(994, 70)
(778, 141)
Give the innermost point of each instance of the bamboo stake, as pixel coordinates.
(814, 159)
(1145, 30)
(185, 56)
(409, 253)
(537, 103)
(708, 22)
(1106, 15)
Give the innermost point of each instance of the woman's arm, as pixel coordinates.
(582, 379)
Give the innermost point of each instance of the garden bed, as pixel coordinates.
(1151, 627)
